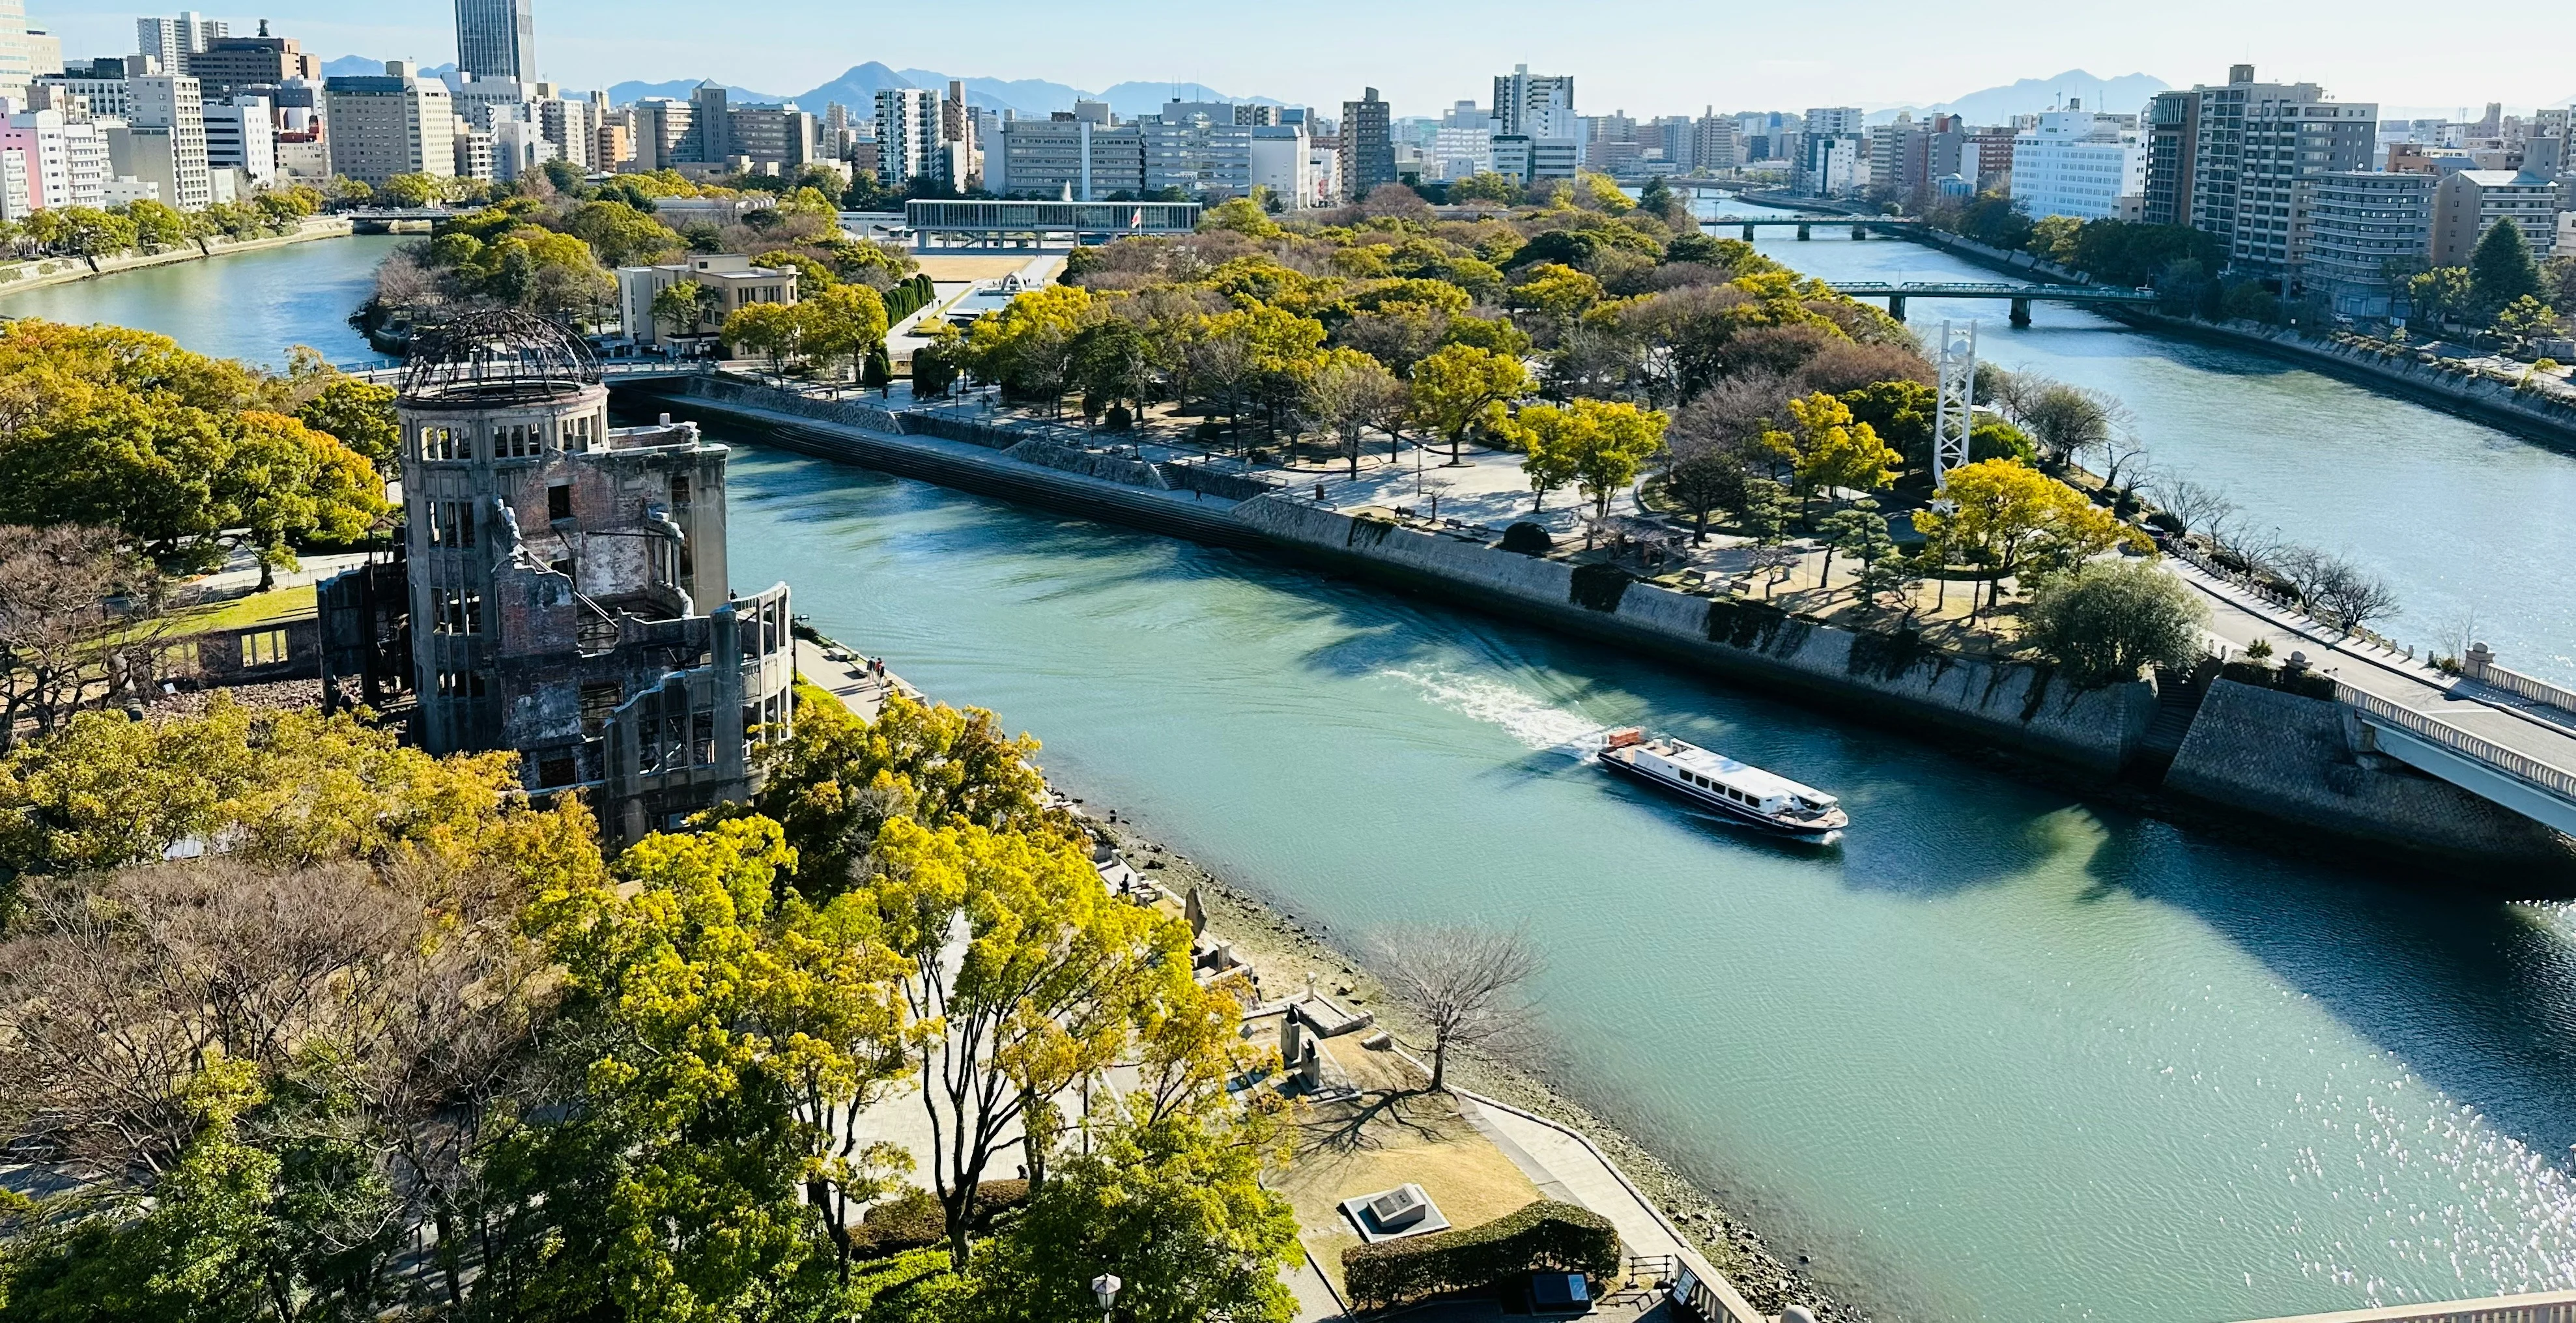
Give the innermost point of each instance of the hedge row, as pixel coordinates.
(1544, 1237)
(908, 298)
(914, 1220)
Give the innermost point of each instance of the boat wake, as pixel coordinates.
(1522, 715)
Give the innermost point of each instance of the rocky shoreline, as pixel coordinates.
(1275, 939)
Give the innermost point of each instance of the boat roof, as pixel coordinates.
(1746, 777)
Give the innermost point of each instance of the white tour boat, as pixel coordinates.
(1740, 791)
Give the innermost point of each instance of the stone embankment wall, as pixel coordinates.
(2276, 755)
(2012, 703)
(64, 270)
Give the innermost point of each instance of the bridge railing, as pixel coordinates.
(2557, 781)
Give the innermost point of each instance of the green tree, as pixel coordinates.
(1656, 198)
(683, 307)
(359, 413)
(284, 482)
(2441, 294)
(1859, 532)
(1706, 480)
(1054, 980)
(878, 374)
(1484, 186)
(157, 226)
(725, 1025)
(1112, 363)
(2105, 620)
(1460, 388)
(1599, 446)
(621, 235)
(1174, 1208)
(414, 191)
(1027, 347)
(841, 322)
(775, 331)
(2501, 270)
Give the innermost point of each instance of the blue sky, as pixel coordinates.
(1643, 56)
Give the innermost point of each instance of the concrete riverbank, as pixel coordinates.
(44, 272)
(1891, 679)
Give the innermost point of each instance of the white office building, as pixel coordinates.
(241, 137)
(2074, 163)
(1283, 161)
(908, 137)
(172, 40)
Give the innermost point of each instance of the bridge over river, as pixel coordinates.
(2020, 295)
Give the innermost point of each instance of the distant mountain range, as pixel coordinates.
(859, 86)
(1997, 105)
(356, 66)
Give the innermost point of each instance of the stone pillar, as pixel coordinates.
(1860, 232)
(1802, 232)
(2021, 312)
(1896, 306)
(1748, 234)
(2476, 663)
(1292, 1038)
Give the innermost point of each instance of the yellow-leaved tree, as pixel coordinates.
(2009, 519)
(1828, 450)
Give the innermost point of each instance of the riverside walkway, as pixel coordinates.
(2500, 737)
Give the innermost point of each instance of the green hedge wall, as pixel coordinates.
(1546, 1236)
(908, 298)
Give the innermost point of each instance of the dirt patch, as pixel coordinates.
(1286, 950)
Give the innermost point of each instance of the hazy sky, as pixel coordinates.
(1643, 56)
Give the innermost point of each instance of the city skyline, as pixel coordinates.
(1766, 59)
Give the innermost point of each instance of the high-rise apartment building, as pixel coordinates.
(2367, 230)
(1835, 121)
(1713, 143)
(908, 140)
(663, 137)
(2468, 203)
(1368, 143)
(166, 135)
(2173, 143)
(18, 59)
(394, 123)
(175, 42)
(497, 39)
(2258, 148)
(1534, 105)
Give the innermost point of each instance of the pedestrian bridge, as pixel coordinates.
(2021, 296)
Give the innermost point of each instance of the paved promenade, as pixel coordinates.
(2533, 730)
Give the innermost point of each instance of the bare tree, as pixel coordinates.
(77, 618)
(2351, 597)
(1465, 981)
(2196, 505)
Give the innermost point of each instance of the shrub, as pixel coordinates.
(1528, 539)
(913, 1219)
(1545, 1236)
(2107, 619)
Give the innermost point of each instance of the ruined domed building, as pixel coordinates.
(561, 589)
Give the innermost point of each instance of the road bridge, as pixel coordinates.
(2508, 739)
(1805, 223)
(2021, 296)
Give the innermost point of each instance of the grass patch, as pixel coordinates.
(243, 612)
(1383, 1139)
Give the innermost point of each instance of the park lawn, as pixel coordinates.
(243, 612)
(1387, 1136)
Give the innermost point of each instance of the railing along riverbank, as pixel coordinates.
(44, 272)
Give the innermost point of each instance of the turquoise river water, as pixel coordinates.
(2004, 1055)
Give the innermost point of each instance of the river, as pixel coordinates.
(2004, 1055)
(253, 306)
(2472, 524)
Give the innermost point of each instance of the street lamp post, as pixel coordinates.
(1104, 1288)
